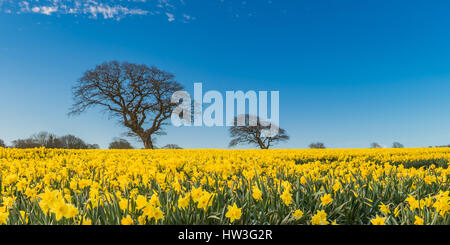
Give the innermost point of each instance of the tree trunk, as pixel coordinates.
(261, 144)
(147, 140)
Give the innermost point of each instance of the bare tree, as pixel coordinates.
(72, 142)
(397, 145)
(249, 134)
(50, 140)
(25, 143)
(46, 139)
(172, 146)
(2, 143)
(93, 146)
(317, 145)
(37, 140)
(375, 145)
(137, 95)
(120, 144)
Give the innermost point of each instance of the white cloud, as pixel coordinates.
(47, 10)
(36, 9)
(106, 9)
(170, 16)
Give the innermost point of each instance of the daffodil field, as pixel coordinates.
(295, 187)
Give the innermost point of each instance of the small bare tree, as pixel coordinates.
(172, 146)
(93, 146)
(72, 142)
(2, 143)
(120, 144)
(317, 145)
(137, 95)
(249, 134)
(47, 139)
(397, 145)
(375, 145)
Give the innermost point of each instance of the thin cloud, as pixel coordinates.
(170, 16)
(172, 10)
(106, 9)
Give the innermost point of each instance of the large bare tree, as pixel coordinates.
(253, 133)
(137, 95)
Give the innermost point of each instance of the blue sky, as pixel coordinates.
(349, 72)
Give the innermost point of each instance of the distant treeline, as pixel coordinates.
(52, 141)
(49, 140)
(440, 146)
(320, 145)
